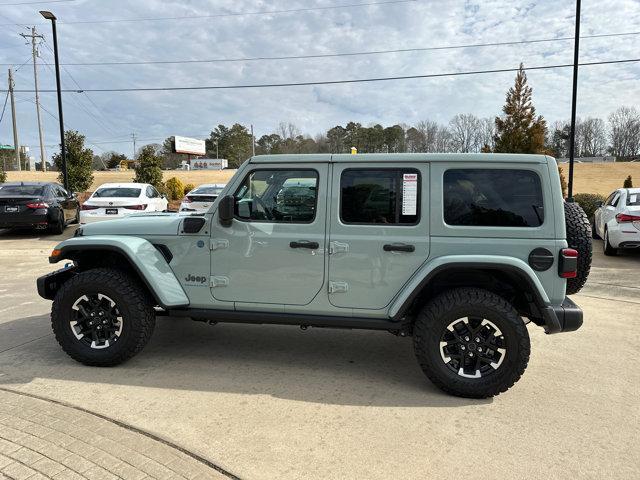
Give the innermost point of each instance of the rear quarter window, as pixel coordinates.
(493, 198)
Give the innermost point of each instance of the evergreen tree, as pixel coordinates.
(519, 130)
(149, 167)
(628, 182)
(79, 162)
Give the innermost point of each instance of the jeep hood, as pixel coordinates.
(137, 224)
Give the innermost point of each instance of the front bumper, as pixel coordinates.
(564, 318)
(49, 284)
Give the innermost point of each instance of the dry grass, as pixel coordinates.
(589, 178)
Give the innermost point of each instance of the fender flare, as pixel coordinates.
(427, 272)
(147, 261)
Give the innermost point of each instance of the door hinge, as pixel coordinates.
(338, 287)
(217, 243)
(219, 281)
(338, 247)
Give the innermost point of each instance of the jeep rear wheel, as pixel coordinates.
(471, 343)
(102, 317)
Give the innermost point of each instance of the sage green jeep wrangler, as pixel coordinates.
(459, 252)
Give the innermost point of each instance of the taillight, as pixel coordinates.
(88, 207)
(624, 218)
(186, 200)
(37, 205)
(135, 207)
(568, 267)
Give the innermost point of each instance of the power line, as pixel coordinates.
(336, 82)
(238, 14)
(102, 124)
(346, 54)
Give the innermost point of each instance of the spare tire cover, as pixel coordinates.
(578, 238)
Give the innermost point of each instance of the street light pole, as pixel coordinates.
(572, 133)
(63, 150)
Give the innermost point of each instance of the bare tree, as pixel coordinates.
(624, 132)
(288, 130)
(487, 133)
(465, 131)
(428, 131)
(444, 140)
(591, 138)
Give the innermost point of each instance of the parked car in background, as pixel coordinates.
(617, 221)
(200, 199)
(37, 204)
(117, 200)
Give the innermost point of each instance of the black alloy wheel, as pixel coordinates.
(97, 321)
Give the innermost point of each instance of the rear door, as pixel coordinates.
(67, 203)
(273, 252)
(379, 231)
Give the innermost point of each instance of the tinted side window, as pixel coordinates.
(615, 200)
(278, 196)
(151, 192)
(493, 198)
(371, 196)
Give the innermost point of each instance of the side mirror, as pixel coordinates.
(599, 204)
(226, 210)
(164, 196)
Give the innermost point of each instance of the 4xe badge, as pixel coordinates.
(195, 280)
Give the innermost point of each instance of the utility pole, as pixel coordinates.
(34, 52)
(574, 97)
(133, 137)
(253, 143)
(13, 117)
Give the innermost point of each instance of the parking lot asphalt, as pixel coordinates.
(267, 402)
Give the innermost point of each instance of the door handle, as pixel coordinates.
(305, 244)
(390, 247)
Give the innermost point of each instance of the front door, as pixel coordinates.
(379, 231)
(273, 252)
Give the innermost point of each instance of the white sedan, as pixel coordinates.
(117, 200)
(617, 221)
(200, 199)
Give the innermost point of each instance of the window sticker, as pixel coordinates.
(633, 199)
(409, 193)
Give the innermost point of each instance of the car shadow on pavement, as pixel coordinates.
(33, 234)
(342, 367)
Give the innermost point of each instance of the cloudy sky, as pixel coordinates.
(94, 31)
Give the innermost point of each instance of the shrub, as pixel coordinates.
(162, 189)
(628, 182)
(148, 169)
(188, 187)
(563, 182)
(175, 188)
(589, 202)
(3, 175)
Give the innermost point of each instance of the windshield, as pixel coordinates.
(119, 192)
(633, 199)
(206, 191)
(8, 190)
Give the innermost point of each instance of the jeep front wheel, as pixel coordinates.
(471, 343)
(102, 317)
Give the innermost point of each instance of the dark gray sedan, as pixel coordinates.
(37, 204)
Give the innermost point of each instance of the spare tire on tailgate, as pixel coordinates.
(578, 238)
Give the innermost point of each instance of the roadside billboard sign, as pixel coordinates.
(191, 146)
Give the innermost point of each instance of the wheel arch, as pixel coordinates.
(508, 277)
(138, 256)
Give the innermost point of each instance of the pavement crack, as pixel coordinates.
(26, 343)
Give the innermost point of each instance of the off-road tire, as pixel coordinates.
(432, 322)
(132, 301)
(57, 226)
(578, 238)
(607, 248)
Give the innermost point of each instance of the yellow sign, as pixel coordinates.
(354, 150)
